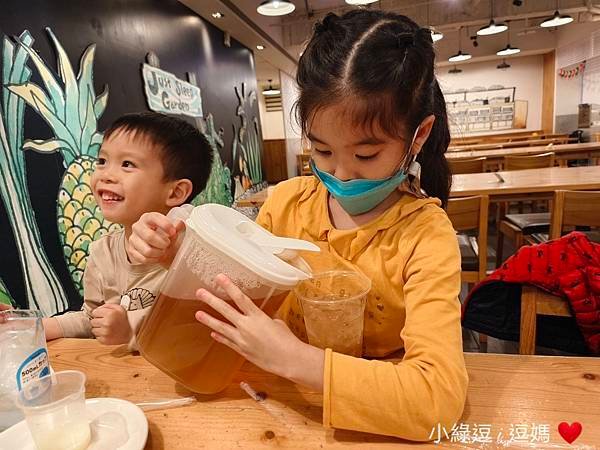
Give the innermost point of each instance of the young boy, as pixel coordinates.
(148, 162)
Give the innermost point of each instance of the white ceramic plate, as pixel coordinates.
(116, 425)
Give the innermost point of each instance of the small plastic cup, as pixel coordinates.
(54, 408)
(333, 304)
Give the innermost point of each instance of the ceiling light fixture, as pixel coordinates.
(436, 35)
(455, 70)
(275, 8)
(508, 50)
(260, 47)
(557, 19)
(460, 56)
(218, 15)
(503, 65)
(271, 90)
(492, 27)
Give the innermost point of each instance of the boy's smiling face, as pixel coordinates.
(128, 179)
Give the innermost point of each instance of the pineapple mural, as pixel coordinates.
(218, 187)
(246, 144)
(71, 109)
(42, 286)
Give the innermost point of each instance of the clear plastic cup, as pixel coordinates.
(54, 408)
(333, 304)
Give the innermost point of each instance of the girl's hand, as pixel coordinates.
(154, 239)
(263, 341)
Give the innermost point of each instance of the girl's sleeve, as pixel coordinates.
(428, 387)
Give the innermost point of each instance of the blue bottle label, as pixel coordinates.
(34, 366)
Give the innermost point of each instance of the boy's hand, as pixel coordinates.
(5, 307)
(154, 239)
(110, 324)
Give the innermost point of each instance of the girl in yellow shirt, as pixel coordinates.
(373, 110)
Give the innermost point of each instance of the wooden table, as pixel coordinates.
(504, 391)
(500, 136)
(518, 184)
(496, 145)
(256, 199)
(526, 184)
(586, 150)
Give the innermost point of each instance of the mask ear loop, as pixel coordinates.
(414, 172)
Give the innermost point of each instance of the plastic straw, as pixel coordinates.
(166, 403)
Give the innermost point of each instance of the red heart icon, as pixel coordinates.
(569, 432)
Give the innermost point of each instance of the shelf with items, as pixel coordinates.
(481, 109)
(589, 115)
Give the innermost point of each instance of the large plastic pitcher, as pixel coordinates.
(217, 240)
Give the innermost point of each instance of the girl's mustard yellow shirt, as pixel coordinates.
(411, 254)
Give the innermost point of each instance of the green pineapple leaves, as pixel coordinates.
(69, 104)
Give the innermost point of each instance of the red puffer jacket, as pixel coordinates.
(568, 267)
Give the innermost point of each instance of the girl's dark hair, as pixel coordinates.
(382, 65)
(185, 152)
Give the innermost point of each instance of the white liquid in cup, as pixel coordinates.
(54, 408)
(71, 436)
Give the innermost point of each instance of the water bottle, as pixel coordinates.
(23, 357)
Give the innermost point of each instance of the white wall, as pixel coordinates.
(272, 121)
(293, 145)
(575, 32)
(591, 81)
(568, 95)
(525, 73)
(574, 45)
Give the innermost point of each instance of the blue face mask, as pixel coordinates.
(362, 195)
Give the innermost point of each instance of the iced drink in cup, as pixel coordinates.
(54, 408)
(333, 304)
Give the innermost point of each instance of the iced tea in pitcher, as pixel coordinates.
(217, 240)
(175, 342)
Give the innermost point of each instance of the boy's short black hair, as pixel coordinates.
(185, 151)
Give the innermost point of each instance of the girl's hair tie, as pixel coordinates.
(326, 24)
(405, 40)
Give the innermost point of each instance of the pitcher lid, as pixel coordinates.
(243, 240)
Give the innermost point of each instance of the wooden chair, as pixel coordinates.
(569, 209)
(516, 226)
(536, 302)
(529, 161)
(475, 165)
(468, 214)
(572, 209)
